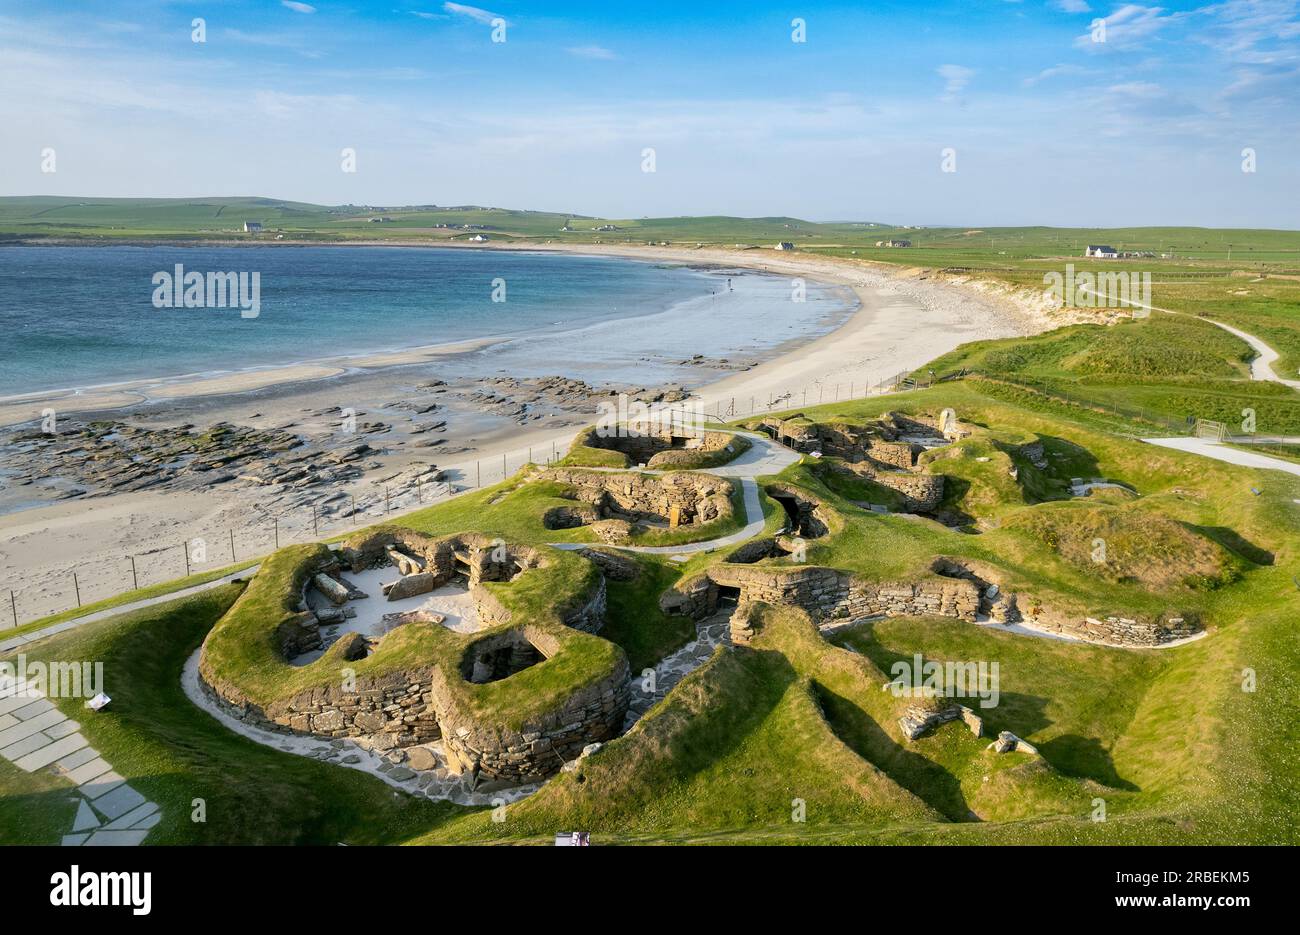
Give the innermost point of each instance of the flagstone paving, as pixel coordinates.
(34, 735)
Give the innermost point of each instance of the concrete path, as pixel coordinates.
(764, 457)
(34, 734)
(1212, 449)
(1261, 366)
(14, 642)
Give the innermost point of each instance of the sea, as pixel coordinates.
(91, 316)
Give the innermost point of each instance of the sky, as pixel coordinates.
(824, 111)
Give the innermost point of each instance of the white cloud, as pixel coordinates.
(1129, 27)
(955, 78)
(298, 7)
(478, 14)
(1073, 6)
(1055, 71)
(591, 51)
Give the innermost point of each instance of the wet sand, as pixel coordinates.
(905, 319)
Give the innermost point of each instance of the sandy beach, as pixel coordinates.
(905, 318)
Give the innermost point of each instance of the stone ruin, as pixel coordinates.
(957, 588)
(616, 505)
(884, 452)
(806, 516)
(423, 704)
(657, 448)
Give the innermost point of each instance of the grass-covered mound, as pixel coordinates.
(242, 655)
(213, 786)
(1130, 544)
(655, 449)
(1155, 372)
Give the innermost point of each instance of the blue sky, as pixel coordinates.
(1048, 125)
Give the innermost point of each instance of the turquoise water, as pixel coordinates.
(85, 316)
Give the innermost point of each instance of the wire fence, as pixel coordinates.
(209, 549)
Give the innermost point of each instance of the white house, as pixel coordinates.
(785, 245)
(252, 227)
(1102, 251)
(480, 238)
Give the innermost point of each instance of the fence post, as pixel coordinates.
(478, 474)
(13, 605)
(185, 547)
(388, 503)
(353, 498)
(135, 579)
(276, 521)
(232, 545)
(315, 522)
(76, 586)
(503, 465)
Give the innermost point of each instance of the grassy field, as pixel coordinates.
(794, 725)
(792, 739)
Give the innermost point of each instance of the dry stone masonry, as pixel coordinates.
(420, 704)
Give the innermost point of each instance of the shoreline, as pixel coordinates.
(123, 394)
(900, 323)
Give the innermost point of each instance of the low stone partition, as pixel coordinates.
(921, 493)
(681, 498)
(824, 593)
(663, 449)
(1120, 631)
(958, 590)
(526, 736)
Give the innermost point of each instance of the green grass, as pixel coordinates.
(175, 754)
(160, 589)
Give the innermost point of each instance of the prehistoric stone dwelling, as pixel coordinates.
(422, 683)
(657, 448)
(954, 588)
(615, 504)
(885, 452)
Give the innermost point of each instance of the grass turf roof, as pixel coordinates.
(243, 651)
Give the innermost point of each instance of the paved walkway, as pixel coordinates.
(14, 642)
(34, 735)
(1212, 449)
(764, 457)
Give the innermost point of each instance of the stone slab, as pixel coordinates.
(7, 721)
(132, 818)
(33, 709)
(30, 726)
(74, 840)
(117, 803)
(149, 822)
(62, 729)
(25, 746)
(116, 838)
(101, 785)
(91, 769)
(14, 698)
(86, 819)
(80, 758)
(47, 755)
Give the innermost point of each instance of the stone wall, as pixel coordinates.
(692, 498)
(826, 594)
(540, 746)
(955, 591)
(416, 706)
(659, 449)
(920, 492)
